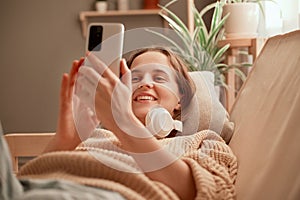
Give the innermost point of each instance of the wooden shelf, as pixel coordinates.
(85, 15)
(254, 45)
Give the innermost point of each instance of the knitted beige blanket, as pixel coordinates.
(98, 162)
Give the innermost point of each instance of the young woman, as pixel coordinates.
(157, 77)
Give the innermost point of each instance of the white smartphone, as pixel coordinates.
(105, 40)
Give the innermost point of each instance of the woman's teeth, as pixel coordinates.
(143, 98)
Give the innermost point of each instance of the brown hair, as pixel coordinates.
(184, 81)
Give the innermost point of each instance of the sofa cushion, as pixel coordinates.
(266, 116)
(205, 110)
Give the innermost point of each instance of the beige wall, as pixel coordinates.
(38, 41)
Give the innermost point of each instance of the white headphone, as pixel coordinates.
(160, 123)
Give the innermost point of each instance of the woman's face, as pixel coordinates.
(153, 83)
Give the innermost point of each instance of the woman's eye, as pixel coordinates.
(135, 79)
(160, 79)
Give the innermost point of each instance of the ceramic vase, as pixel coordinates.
(243, 20)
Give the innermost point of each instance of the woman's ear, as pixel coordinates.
(178, 106)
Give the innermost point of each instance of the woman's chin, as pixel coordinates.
(141, 114)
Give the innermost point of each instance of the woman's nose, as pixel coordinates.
(148, 85)
(146, 82)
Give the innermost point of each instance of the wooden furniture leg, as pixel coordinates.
(26, 145)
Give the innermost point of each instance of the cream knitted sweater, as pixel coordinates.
(98, 162)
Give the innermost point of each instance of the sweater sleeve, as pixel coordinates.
(214, 167)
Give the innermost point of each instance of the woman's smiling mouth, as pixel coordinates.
(145, 98)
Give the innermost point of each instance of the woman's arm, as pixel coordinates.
(176, 174)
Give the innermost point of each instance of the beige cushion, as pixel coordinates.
(266, 116)
(205, 110)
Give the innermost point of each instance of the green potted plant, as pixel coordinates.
(200, 47)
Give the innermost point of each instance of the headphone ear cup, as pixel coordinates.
(159, 122)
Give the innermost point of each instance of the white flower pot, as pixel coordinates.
(101, 6)
(243, 20)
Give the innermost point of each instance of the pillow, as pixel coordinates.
(205, 110)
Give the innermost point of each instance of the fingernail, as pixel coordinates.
(124, 63)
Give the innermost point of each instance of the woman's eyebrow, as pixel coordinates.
(155, 71)
(160, 71)
(135, 71)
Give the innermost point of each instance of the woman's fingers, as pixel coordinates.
(85, 94)
(73, 74)
(85, 119)
(90, 75)
(87, 83)
(125, 74)
(96, 63)
(64, 89)
(74, 70)
(101, 67)
(101, 91)
(81, 61)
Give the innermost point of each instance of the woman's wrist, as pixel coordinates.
(138, 140)
(62, 143)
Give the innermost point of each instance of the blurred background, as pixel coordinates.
(39, 39)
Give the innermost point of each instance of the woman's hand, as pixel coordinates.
(108, 96)
(66, 137)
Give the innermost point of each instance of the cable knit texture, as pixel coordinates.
(100, 162)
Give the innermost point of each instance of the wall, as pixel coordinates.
(279, 17)
(39, 39)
